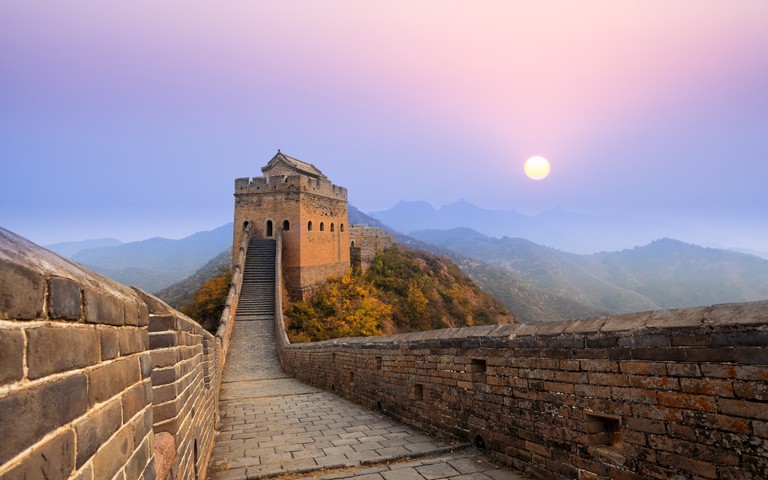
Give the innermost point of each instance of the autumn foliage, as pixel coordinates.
(404, 290)
(342, 307)
(209, 300)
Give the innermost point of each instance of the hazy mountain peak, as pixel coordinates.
(69, 249)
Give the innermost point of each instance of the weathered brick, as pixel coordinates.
(143, 314)
(137, 398)
(629, 321)
(700, 339)
(641, 395)
(702, 469)
(65, 301)
(731, 424)
(586, 325)
(142, 426)
(751, 390)
(644, 340)
(145, 362)
(110, 343)
(114, 453)
(739, 314)
(600, 366)
(131, 313)
(644, 368)
(95, 428)
(683, 369)
(165, 357)
(741, 372)
(738, 338)
(132, 340)
(164, 376)
(22, 291)
(678, 318)
(27, 415)
(53, 349)
(743, 408)
(646, 425)
(162, 323)
(11, 355)
(714, 354)
(709, 386)
(687, 401)
(54, 459)
(138, 461)
(752, 355)
(760, 429)
(162, 339)
(616, 379)
(111, 379)
(662, 354)
(103, 308)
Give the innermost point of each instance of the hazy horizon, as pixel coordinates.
(133, 120)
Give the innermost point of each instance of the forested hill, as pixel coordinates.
(404, 290)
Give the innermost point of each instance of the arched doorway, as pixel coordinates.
(269, 228)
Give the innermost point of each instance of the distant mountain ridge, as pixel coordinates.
(157, 262)
(665, 273)
(569, 231)
(69, 249)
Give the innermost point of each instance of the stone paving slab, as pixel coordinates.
(459, 466)
(282, 425)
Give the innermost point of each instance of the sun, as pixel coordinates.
(536, 168)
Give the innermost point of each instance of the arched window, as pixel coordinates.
(332, 228)
(341, 227)
(269, 228)
(353, 243)
(322, 227)
(309, 225)
(286, 225)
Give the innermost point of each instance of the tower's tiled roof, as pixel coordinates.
(298, 165)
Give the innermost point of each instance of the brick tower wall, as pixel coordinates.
(309, 256)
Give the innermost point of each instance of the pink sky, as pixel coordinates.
(650, 108)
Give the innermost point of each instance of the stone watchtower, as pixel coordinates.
(296, 199)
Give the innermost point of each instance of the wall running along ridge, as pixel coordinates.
(98, 379)
(666, 394)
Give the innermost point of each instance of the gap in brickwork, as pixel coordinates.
(418, 392)
(603, 429)
(478, 365)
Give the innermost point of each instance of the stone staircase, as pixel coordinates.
(257, 296)
(253, 350)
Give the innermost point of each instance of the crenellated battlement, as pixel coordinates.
(289, 183)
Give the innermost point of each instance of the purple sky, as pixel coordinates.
(132, 119)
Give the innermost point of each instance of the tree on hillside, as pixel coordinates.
(342, 307)
(209, 300)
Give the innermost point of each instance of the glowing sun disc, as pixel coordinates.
(536, 167)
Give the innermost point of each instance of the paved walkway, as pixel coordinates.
(275, 426)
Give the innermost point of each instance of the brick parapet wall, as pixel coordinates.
(667, 394)
(80, 393)
(227, 319)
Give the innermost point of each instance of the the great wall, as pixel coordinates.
(102, 381)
